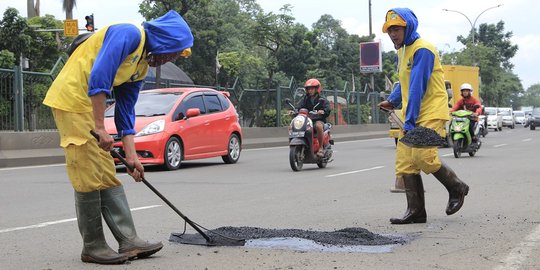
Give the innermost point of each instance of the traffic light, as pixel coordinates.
(89, 23)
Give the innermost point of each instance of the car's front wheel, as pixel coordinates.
(233, 150)
(173, 154)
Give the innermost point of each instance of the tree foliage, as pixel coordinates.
(15, 34)
(531, 97)
(7, 59)
(492, 52)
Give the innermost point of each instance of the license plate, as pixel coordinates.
(296, 134)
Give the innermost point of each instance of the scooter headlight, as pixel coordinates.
(458, 128)
(298, 122)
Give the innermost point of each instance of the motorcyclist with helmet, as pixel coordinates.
(309, 101)
(469, 103)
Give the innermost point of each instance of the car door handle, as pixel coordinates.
(207, 123)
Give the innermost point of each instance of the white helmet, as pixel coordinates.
(466, 86)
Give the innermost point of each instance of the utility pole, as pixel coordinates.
(369, 1)
(370, 34)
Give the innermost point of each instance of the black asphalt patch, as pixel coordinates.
(332, 241)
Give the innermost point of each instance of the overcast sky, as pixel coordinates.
(438, 26)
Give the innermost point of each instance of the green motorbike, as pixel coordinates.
(461, 137)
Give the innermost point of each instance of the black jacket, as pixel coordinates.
(307, 103)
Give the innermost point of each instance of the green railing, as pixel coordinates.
(22, 92)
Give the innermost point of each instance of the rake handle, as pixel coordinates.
(117, 155)
(394, 116)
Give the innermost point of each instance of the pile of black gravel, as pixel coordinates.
(343, 237)
(422, 137)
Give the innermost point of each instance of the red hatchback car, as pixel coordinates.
(176, 124)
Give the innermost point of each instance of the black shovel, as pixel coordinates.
(215, 240)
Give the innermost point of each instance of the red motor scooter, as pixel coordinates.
(303, 143)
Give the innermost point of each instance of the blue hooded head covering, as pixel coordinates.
(168, 34)
(412, 24)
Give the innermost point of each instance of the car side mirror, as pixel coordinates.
(192, 112)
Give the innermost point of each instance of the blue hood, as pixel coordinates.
(167, 34)
(412, 24)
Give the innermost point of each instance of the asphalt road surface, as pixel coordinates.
(497, 228)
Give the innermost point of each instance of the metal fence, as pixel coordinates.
(22, 93)
(21, 96)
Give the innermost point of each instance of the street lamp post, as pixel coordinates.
(473, 24)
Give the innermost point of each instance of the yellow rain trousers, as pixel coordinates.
(89, 167)
(413, 160)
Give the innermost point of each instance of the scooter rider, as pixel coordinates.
(469, 103)
(313, 97)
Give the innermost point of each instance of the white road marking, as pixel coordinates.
(527, 140)
(446, 155)
(49, 223)
(32, 167)
(351, 172)
(366, 140)
(517, 257)
(500, 145)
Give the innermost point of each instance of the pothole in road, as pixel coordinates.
(345, 240)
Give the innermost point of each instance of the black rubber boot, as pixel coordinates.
(117, 214)
(95, 248)
(457, 189)
(416, 211)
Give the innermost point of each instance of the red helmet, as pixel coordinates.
(313, 83)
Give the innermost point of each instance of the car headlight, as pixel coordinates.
(152, 128)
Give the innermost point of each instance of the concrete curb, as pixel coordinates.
(41, 148)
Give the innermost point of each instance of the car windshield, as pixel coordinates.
(151, 104)
(504, 113)
(536, 111)
(519, 114)
(491, 111)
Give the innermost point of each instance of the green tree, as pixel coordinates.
(15, 34)
(492, 53)
(330, 36)
(298, 57)
(7, 59)
(46, 46)
(494, 36)
(271, 32)
(531, 97)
